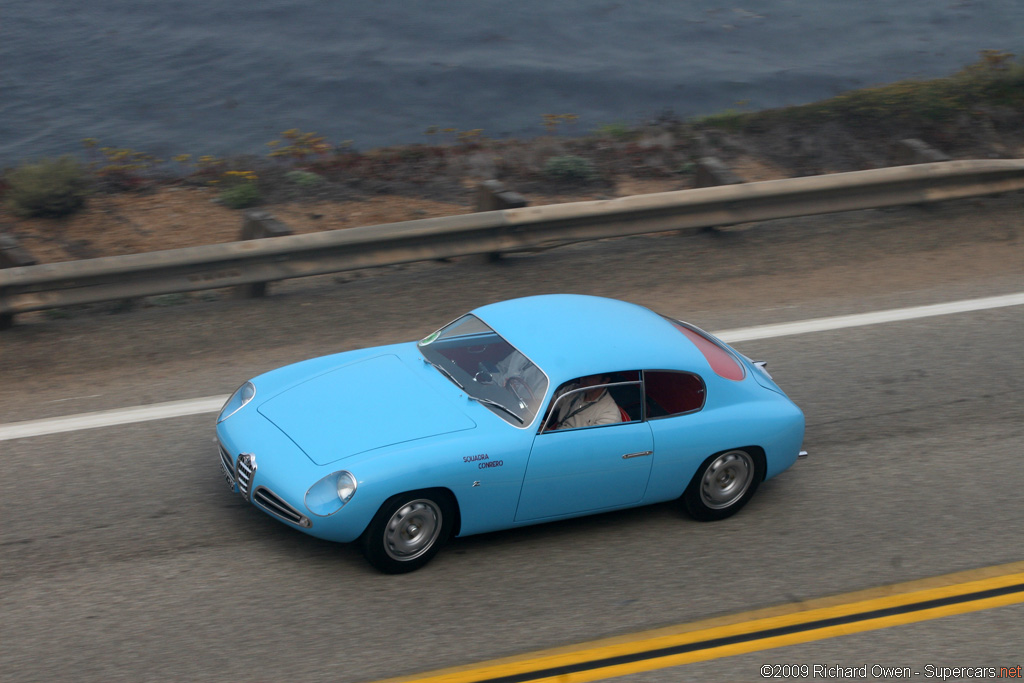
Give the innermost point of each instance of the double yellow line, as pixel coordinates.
(801, 622)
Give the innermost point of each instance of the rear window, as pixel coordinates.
(722, 362)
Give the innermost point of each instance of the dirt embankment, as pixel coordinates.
(420, 181)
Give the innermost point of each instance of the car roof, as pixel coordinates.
(573, 335)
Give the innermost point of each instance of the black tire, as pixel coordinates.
(724, 483)
(408, 530)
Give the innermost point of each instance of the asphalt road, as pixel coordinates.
(124, 557)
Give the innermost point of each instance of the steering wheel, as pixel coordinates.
(515, 382)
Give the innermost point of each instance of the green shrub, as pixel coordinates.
(569, 168)
(48, 188)
(616, 131)
(995, 80)
(730, 120)
(240, 195)
(304, 179)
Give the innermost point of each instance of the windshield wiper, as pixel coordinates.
(445, 373)
(496, 405)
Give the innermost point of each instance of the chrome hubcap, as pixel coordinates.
(726, 479)
(412, 530)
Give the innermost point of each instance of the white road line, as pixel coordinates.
(211, 404)
(840, 322)
(110, 418)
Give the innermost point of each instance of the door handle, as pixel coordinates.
(627, 456)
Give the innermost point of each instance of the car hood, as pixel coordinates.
(363, 406)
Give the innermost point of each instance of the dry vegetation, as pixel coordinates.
(138, 203)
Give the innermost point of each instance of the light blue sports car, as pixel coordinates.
(520, 412)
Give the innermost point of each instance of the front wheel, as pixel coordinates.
(407, 531)
(723, 484)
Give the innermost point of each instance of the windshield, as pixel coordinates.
(487, 368)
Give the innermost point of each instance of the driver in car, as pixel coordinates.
(586, 408)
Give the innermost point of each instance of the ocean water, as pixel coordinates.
(223, 77)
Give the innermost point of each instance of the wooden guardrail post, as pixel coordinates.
(492, 195)
(711, 172)
(12, 255)
(914, 151)
(257, 225)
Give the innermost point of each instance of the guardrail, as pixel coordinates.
(38, 287)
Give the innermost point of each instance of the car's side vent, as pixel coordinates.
(269, 501)
(244, 471)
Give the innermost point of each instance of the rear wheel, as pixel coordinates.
(723, 484)
(407, 531)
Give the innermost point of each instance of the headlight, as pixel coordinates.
(330, 494)
(237, 401)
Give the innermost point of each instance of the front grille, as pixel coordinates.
(269, 501)
(227, 466)
(244, 471)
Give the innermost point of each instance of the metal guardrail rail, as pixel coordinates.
(38, 287)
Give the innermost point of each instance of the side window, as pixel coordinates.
(596, 401)
(668, 393)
